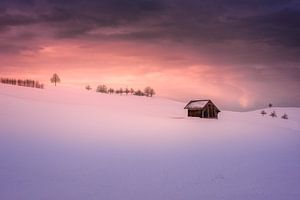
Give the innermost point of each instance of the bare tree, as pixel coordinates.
(152, 92)
(149, 92)
(111, 91)
(138, 93)
(55, 79)
(121, 91)
(126, 91)
(131, 91)
(102, 89)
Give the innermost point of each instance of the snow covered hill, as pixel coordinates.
(62, 143)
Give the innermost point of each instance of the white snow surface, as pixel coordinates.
(197, 104)
(61, 143)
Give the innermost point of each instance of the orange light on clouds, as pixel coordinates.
(171, 72)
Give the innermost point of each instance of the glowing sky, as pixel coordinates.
(242, 54)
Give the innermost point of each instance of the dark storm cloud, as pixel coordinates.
(8, 48)
(269, 21)
(111, 5)
(76, 18)
(280, 27)
(17, 3)
(107, 12)
(208, 26)
(15, 20)
(15, 48)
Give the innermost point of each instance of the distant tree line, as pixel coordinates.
(148, 91)
(20, 82)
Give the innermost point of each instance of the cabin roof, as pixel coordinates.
(195, 104)
(198, 104)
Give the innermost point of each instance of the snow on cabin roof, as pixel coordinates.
(196, 104)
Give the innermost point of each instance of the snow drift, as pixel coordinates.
(62, 143)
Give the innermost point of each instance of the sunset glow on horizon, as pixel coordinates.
(241, 55)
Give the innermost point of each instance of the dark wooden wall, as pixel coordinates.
(209, 111)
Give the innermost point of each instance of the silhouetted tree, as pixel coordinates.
(131, 91)
(102, 89)
(121, 91)
(263, 112)
(273, 114)
(152, 92)
(38, 85)
(139, 93)
(284, 116)
(149, 92)
(126, 91)
(55, 79)
(111, 91)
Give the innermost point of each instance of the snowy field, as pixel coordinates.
(71, 144)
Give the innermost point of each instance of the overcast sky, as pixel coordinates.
(242, 54)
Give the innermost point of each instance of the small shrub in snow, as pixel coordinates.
(88, 87)
(270, 105)
(284, 116)
(273, 114)
(263, 112)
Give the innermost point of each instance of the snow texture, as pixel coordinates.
(63, 144)
(196, 104)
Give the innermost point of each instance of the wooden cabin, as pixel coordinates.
(202, 109)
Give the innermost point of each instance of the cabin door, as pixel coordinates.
(205, 113)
